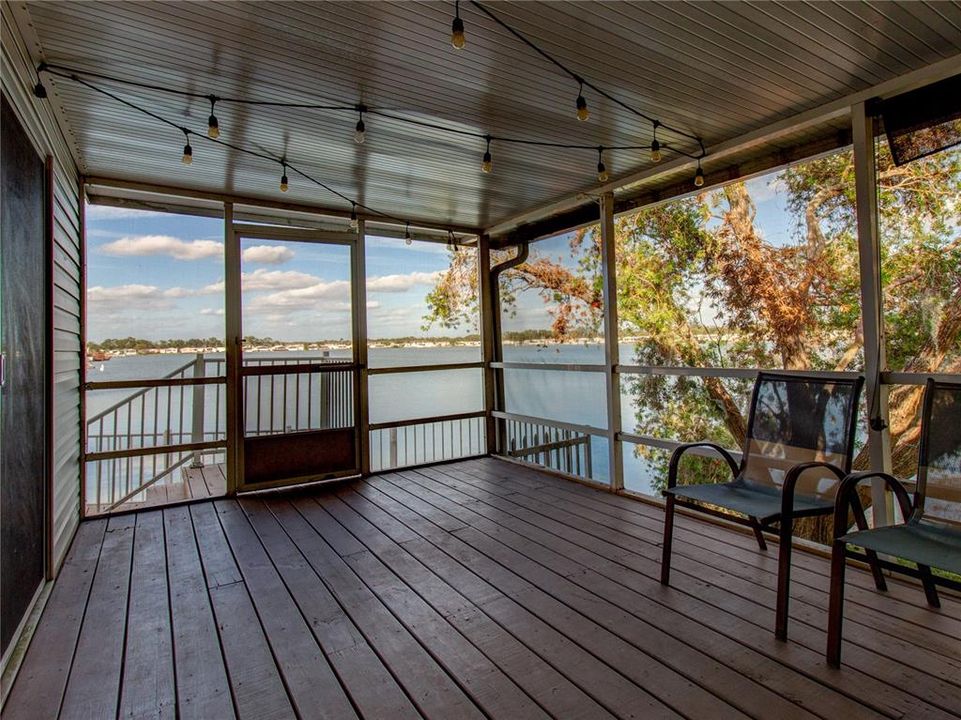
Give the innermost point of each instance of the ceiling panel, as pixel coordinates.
(714, 69)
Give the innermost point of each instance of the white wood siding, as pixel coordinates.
(40, 123)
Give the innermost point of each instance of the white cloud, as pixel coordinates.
(262, 279)
(303, 297)
(401, 283)
(109, 212)
(142, 245)
(268, 254)
(212, 311)
(128, 297)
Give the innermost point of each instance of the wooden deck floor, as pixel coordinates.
(471, 590)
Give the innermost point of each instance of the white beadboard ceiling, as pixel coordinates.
(716, 69)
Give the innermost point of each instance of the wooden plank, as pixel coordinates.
(202, 687)
(372, 688)
(194, 481)
(651, 516)
(895, 639)
(541, 681)
(148, 671)
(736, 553)
(678, 675)
(94, 686)
(215, 480)
(255, 682)
(429, 687)
(219, 566)
(884, 694)
(495, 693)
(548, 627)
(310, 681)
(38, 689)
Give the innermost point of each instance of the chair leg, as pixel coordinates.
(783, 577)
(930, 589)
(862, 523)
(758, 535)
(668, 539)
(836, 604)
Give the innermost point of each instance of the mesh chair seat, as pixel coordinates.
(922, 542)
(761, 502)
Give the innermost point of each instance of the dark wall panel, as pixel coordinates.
(23, 312)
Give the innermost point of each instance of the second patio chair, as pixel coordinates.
(930, 534)
(798, 447)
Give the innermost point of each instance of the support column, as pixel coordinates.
(869, 251)
(485, 303)
(611, 349)
(358, 287)
(234, 352)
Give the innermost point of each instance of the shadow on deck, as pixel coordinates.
(479, 588)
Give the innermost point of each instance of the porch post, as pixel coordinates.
(611, 350)
(487, 337)
(869, 251)
(234, 332)
(358, 287)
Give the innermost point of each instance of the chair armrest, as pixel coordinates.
(849, 487)
(679, 452)
(790, 481)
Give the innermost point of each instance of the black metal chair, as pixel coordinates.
(930, 535)
(800, 438)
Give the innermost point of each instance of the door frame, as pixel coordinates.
(235, 233)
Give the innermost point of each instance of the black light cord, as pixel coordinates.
(71, 73)
(579, 79)
(247, 151)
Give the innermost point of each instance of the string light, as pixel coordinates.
(457, 38)
(188, 156)
(353, 217)
(656, 147)
(39, 90)
(213, 127)
(360, 130)
(699, 175)
(602, 174)
(582, 112)
(407, 238)
(284, 185)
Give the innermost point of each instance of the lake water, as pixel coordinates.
(576, 397)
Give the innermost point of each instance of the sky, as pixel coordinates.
(157, 276)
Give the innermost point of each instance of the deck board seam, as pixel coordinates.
(631, 590)
(620, 559)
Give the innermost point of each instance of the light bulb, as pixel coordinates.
(699, 177)
(283, 183)
(457, 38)
(39, 90)
(353, 225)
(213, 127)
(408, 240)
(407, 237)
(655, 151)
(582, 112)
(188, 155)
(602, 174)
(360, 132)
(488, 164)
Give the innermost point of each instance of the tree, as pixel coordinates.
(702, 286)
